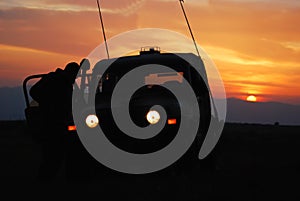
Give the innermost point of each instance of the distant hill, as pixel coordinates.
(262, 112)
(12, 105)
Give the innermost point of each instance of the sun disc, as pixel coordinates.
(251, 98)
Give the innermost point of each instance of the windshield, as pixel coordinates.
(109, 80)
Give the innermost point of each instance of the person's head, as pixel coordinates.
(85, 64)
(71, 71)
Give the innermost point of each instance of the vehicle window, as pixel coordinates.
(162, 78)
(107, 82)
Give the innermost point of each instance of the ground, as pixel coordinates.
(253, 162)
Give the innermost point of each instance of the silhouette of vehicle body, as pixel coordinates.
(152, 93)
(81, 164)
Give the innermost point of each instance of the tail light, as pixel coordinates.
(72, 128)
(172, 121)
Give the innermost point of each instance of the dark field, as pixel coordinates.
(253, 162)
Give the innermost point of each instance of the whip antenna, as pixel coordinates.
(103, 30)
(189, 26)
(191, 32)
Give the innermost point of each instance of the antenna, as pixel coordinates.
(190, 29)
(189, 26)
(103, 30)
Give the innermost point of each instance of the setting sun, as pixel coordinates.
(251, 98)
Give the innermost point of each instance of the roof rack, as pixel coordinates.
(149, 50)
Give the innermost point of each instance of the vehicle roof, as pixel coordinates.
(167, 59)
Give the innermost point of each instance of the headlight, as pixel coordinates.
(92, 121)
(153, 117)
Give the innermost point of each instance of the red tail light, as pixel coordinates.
(172, 121)
(72, 128)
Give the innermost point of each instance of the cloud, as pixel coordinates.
(44, 5)
(194, 2)
(235, 57)
(292, 45)
(20, 62)
(289, 3)
(109, 7)
(48, 30)
(64, 32)
(244, 37)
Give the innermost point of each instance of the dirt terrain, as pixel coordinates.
(253, 162)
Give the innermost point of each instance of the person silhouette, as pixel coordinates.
(53, 92)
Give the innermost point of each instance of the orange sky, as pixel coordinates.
(255, 43)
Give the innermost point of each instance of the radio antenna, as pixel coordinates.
(103, 30)
(189, 26)
(191, 32)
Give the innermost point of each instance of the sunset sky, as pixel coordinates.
(254, 43)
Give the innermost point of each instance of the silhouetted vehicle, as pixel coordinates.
(33, 112)
(153, 93)
(50, 116)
